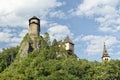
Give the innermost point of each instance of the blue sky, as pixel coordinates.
(88, 23)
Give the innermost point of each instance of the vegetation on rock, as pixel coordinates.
(51, 62)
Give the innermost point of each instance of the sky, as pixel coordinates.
(89, 23)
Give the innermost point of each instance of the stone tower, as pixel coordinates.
(34, 30)
(31, 42)
(34, 26)
(105, 56)
(69, 45)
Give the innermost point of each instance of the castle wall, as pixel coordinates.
(69, 47)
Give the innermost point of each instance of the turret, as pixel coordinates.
(69, 45)
(105, 56)
(34, 26)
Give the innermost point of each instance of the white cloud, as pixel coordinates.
(78, 38)
(14, 15)
(58, 14)
(106, 12)
(95, 43)
(16, 12)
(23, 32)
(59, 32)
(43, 23)
(11, 38)
(15, 40)
(4, 37)
(97, 7)
(107, 29)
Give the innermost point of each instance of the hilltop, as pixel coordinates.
(37, 58)
(42, 64)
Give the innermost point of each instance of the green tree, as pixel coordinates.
(47, 37)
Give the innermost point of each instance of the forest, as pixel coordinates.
(42, 64)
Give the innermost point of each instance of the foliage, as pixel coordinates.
(43, 64)
(7, 56)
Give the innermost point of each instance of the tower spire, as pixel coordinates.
(105, 50)
(105, 56)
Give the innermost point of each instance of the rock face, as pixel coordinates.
(24, 49)
(28, 45)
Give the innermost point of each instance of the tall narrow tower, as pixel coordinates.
(32, 41)
(105, 56)
(34, 30)
(34, 26)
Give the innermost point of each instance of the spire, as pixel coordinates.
(105, 56)
(105, 53)
(105, 49)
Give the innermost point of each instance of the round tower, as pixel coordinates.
(34, 26)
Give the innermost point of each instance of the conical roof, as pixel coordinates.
(105, 53)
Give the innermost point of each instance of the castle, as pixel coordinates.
(34, 30)
(33, 42)
(34, 33)
(69, 45)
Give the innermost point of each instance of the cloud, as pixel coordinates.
(16, 12)
(16, 39)
(95, 43)
(106, 12)
(23, 32)
(78, 38)
(97, 7)
(4, 37)
(10, 37)
(58, 14)
(59, 32)
(14, 15)
(43, 23)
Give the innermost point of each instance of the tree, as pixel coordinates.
(47, 37)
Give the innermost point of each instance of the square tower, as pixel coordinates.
(69, 45)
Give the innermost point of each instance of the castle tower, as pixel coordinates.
(105, 56)
(69, 45)
(34, 30)
(31, 42)
(34, 26)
